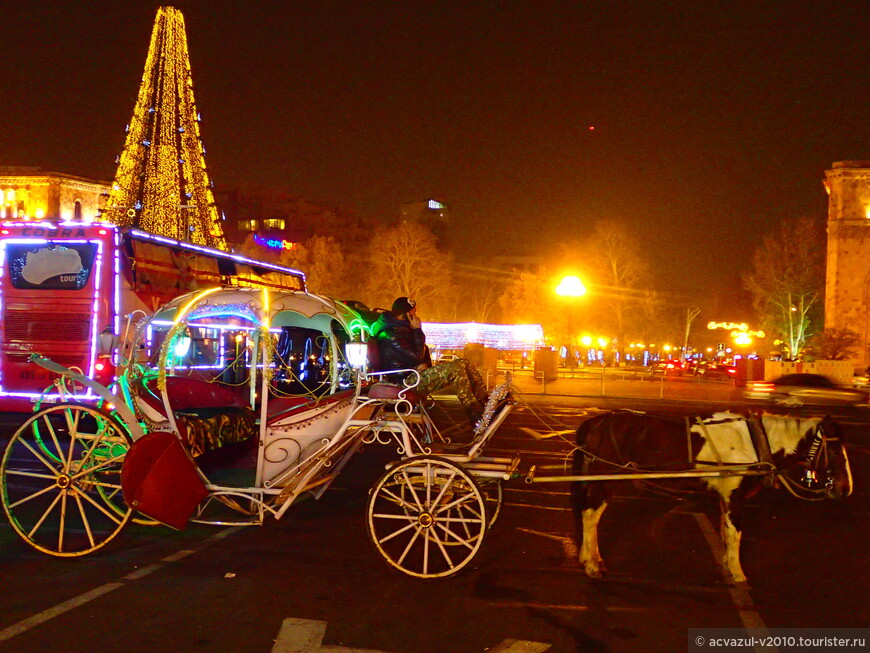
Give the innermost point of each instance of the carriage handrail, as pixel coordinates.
(409, 372)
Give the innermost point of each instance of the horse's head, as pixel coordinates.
(827, 463)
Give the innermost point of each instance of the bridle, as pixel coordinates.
(816, 463)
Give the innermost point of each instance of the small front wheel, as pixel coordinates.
(60, 480)
(427, 517)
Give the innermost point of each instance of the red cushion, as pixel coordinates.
(160, 481)
(186, 392)
(390, 391)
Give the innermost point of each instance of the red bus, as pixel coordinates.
(67, 286)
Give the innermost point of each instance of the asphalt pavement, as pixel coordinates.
(312, 581)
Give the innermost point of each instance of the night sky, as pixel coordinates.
(712, 121)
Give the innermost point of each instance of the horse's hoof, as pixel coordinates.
(593, 572)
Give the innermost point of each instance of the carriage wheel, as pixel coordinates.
(60, 479)
(427, 517)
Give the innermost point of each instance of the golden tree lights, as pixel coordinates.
(161, 184)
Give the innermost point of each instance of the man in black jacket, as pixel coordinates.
(401, 341)
(402, 346)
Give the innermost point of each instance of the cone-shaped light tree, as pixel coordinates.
(161, 184)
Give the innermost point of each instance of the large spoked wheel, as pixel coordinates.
(61, 480)
(427, 517)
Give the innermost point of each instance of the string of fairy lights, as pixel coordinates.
(162, 183)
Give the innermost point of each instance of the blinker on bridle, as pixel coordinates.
(818, 452)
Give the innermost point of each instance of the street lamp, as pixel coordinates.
(571, 287)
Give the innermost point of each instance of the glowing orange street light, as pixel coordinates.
(570, 286)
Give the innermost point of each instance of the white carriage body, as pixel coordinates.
(443, 499)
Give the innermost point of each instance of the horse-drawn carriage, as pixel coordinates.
(232, 404)
(238, 402)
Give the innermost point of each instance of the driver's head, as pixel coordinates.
(404, 306)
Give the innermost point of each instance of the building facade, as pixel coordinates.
(432, 214)
(29, 193)
(847, 283)
(277, 220)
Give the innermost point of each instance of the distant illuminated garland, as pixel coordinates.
(497, 336)
(161, 184)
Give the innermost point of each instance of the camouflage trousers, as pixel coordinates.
(463, 378)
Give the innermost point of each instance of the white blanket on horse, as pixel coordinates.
(727, 438)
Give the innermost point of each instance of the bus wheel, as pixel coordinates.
(60, 480)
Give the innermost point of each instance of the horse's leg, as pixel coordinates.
(731, 531)
(588, 505)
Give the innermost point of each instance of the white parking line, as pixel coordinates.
(740, 596)
(61, 608)
(306, 636)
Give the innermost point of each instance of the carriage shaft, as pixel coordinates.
(638, 476)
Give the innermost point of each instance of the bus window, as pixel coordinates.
(47, 266)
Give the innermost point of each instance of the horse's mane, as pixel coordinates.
(786, 432)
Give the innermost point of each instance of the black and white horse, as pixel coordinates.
(810, 449)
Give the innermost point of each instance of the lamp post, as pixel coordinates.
(571, 288)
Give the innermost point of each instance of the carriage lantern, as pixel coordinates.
(357, 353)
(107, 341)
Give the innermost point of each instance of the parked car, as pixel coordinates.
(800, 389)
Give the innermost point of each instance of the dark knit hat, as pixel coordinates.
(403, 305)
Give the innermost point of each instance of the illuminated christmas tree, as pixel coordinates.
(161, 184)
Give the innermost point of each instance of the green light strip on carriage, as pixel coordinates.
(358, 326)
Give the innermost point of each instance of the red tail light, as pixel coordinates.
(730, 371)
(763, 387)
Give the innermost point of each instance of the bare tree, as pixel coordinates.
(787, 281)
(527, 300)
(617, 275)
(321, 258)
(405, 261)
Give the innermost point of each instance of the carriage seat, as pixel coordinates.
(381, 388)
(209, 416)
(187, 393)
(392, 392)
(283, 407)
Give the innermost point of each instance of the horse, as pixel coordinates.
(762, 448)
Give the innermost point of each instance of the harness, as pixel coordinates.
(817, 458)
